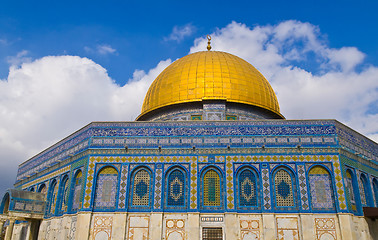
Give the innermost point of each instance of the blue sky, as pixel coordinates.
(136, 29)
(64, 64)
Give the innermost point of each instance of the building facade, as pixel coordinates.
(210, 157)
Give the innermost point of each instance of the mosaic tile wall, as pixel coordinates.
(247, 189)
(64, 190)
(301, 172)
(123, 187)
(351, 191)
(227, 146)
(76, 199)
(361, 187)
(244, 186)
(106, 189)
(52, 199)
(321, 189)
(176, 189)
(158, 186)
(375, 190)
(324, 130)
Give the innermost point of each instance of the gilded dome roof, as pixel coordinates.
(210, 75)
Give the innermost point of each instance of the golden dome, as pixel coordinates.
(210, 75)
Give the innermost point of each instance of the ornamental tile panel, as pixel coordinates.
(325, 228)
(250, 229)
(102, 227)
(229, 183)
(78, 141)
(301, 172)
(106, 189)
(338, 181)
(158, 187)
(266, 188)
(89, 182)
(193, 183)
(176, 189)
(47, 177)
(123, 187)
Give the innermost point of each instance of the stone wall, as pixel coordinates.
(157, 226)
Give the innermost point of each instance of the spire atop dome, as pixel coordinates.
(208, 42)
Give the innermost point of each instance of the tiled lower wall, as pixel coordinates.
(191, 226)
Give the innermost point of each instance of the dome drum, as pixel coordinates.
(208, 110)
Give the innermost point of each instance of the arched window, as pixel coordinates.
(53, 193)
(375, 187)
(63, 193)
(365, 191)
(211, 185)
(106, 188)
(76, 191)
(322, 197)
(31, 189)
(284, 189)
(141, 188)
(175, 188)
(4, 207)
(247, 188)
(42, 188)
(350, 190)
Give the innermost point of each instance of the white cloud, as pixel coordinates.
(311, 79)
(102, 49)
(21, 57)
(180, 32)
(105, 49)
(347, 57)
(45, 100)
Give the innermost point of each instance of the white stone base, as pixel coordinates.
(175, 226)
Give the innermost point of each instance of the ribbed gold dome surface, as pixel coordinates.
(210, 75)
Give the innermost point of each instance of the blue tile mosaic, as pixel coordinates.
(158, 186)
(303, 186)
(77, 191)
(176, 189)
(106, 189)
(283, 189)
(321, 192)
(247, 188)
(141, 188)
(266, 187)
(123, 188)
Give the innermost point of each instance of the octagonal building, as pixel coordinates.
(209, 157)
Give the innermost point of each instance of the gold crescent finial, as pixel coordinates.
(208, 42)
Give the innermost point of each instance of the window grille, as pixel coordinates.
(212, 233)
(141, 188)
(211, 188)
(284, 190)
